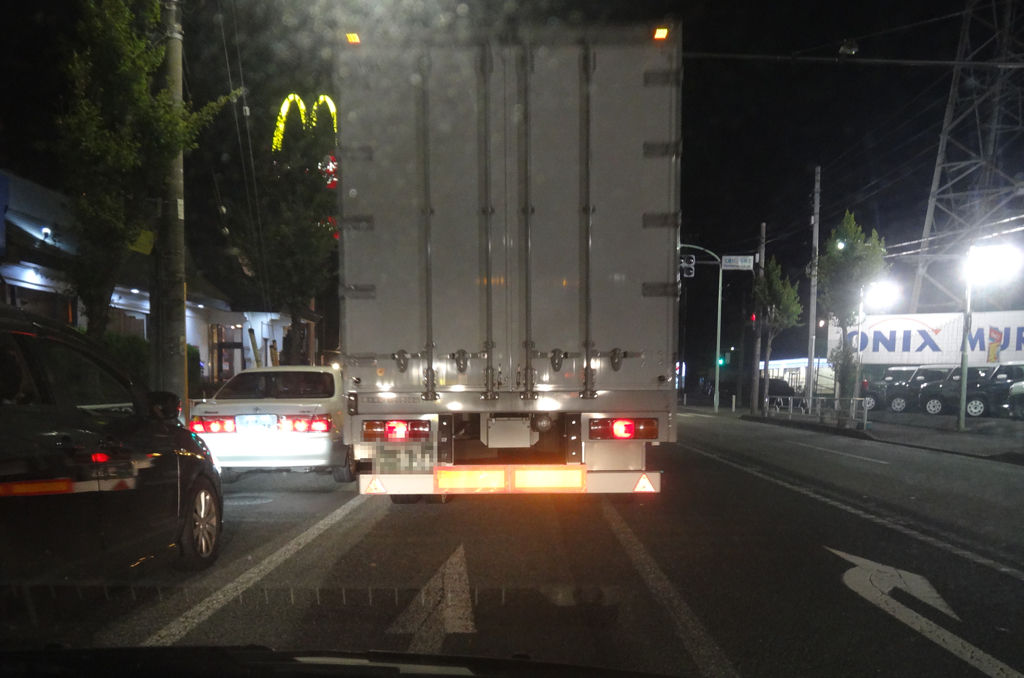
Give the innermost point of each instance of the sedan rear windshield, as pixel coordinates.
(281, 385)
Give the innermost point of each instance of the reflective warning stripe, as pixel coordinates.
(49, 486)
(28, 488)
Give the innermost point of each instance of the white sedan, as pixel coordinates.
(286, 417)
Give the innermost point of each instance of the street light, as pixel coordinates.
(983, 266)
(880, 295)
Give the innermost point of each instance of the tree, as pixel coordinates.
(780, 306)
(850, 262)
(289, 250)
(115, 139)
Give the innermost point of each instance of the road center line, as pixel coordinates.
(710, 659)
(973, 557)
(199, 613)
(842, 454)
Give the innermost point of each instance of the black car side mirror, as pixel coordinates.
(163, 405)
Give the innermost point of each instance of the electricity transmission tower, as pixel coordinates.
(978, 183)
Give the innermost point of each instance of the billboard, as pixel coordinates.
(935, 338)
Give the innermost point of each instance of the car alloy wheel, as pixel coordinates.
(975, 407)
(898, 404)
(869, 402)
(933, 406)
(200, 535)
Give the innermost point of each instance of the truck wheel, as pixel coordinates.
(933, 406)
(976, 406)
(200, 530)
(898, 404)
(347, 472)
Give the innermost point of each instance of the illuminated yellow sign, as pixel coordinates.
(310, 123)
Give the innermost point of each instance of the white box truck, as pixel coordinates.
(509, 259)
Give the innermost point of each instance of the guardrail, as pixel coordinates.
(839, 412)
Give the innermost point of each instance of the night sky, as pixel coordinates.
(753, 129)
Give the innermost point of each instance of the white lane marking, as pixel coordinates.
(442, 607)
(710, 659)
(694, 414)
(199, 613)
(842, 454)
(1002, 568)
(874, 582)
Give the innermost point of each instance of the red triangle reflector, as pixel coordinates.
(644, 484)
(375, 486)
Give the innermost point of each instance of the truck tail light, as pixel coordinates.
(212, 425)
(395, 430)
(623, 429)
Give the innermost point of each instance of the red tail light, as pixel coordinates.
(212, 425)
(623, 429)
(317, 424)
(395, 430)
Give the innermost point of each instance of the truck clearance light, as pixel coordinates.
(395, 430)
(512, 478)
(212, 425)
(623, 429)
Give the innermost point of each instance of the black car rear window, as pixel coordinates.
(282, 385)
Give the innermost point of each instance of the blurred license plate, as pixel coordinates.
(256, 422)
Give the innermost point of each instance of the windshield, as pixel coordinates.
(279, 385)
(612, 334)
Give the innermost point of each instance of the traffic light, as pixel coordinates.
(721, 360)
(689, 265)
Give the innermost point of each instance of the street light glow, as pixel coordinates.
(881, 295)
(989, 264)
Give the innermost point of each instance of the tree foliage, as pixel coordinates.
(844, 270)
(116, 137)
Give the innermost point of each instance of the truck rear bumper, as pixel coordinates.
(511, 479)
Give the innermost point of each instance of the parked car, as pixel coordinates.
(988, 388)
(942, 396)
(874, 390)
(96, 476)
(1014, 404)
(902, 393)
(284, 417)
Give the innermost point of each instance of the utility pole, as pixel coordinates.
(755, 372)
(169, 291)
(812, 317)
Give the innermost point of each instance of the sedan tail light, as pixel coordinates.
(212, 425)
(317, 424)
(623, 429)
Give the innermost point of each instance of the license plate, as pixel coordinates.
(256, 422)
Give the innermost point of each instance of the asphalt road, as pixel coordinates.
(770, 552)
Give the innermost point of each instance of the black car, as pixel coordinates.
(874, 385)
(95, 476)
(902, 392)
(988, 388)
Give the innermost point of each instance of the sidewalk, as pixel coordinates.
(995, 438)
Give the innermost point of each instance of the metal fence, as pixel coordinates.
(840, 412)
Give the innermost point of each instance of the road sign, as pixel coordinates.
(738, 262)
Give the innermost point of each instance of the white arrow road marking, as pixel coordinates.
(874, 582)
(442, 607)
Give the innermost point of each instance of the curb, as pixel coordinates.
(863, 435)
(808, 426)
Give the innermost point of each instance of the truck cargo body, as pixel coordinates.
(509, 259)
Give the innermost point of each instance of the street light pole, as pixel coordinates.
(961, 424)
